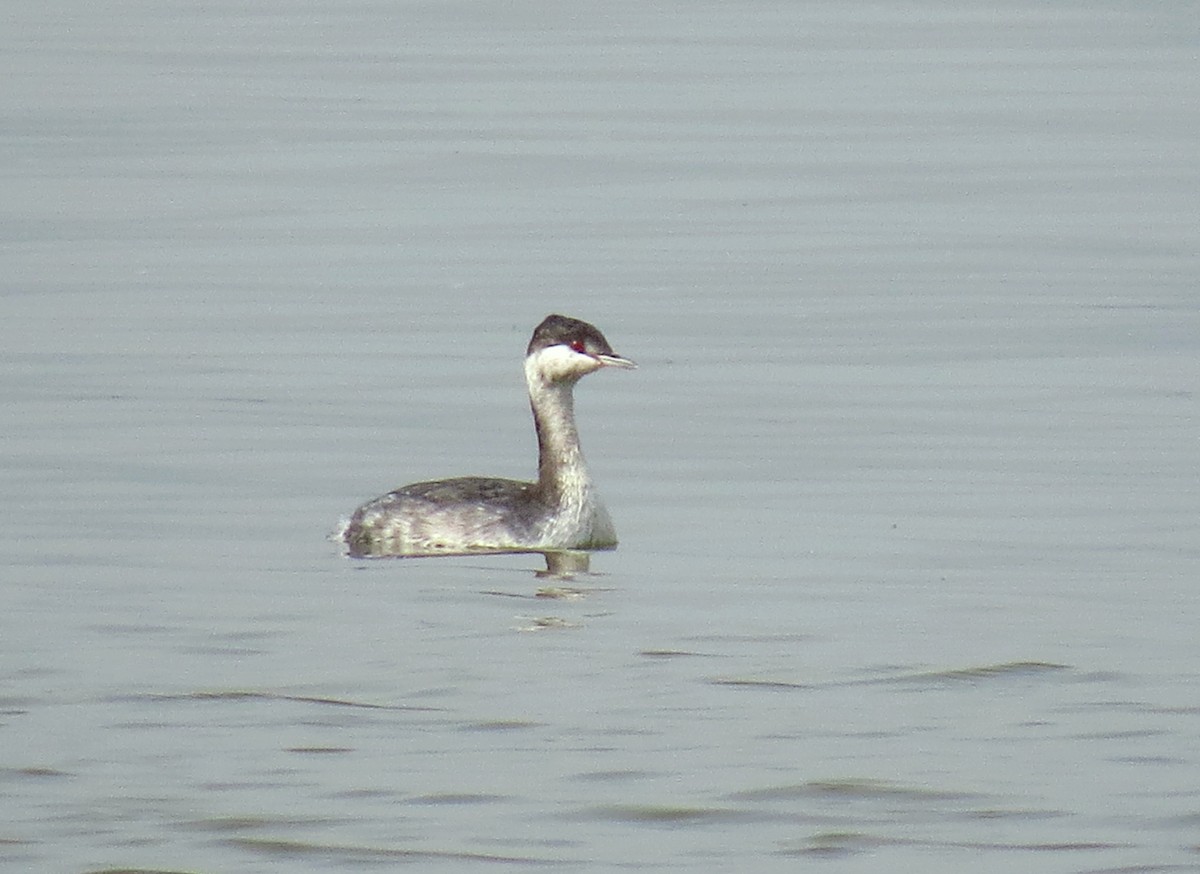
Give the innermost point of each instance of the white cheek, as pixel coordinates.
(560, 362)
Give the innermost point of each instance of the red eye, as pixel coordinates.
(577, 346)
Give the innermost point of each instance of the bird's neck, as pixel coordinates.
(562, 474)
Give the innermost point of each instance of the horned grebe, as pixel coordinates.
(475, 514)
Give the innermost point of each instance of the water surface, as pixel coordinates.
(906, 483)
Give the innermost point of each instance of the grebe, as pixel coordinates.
(477, 514)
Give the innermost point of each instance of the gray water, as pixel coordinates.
(907, 483)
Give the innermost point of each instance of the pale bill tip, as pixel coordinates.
(616, 361)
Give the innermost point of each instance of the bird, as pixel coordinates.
(559, 511)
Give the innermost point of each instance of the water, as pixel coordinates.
(906, 483)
